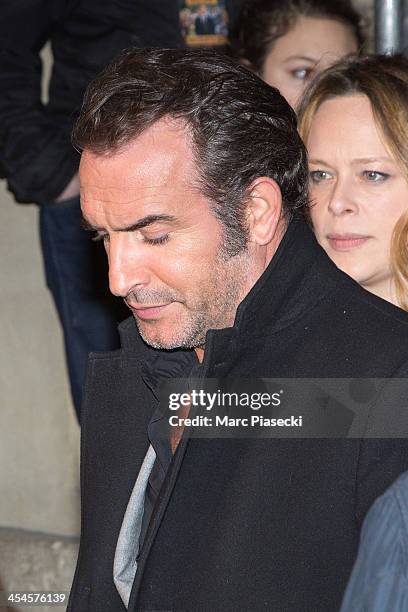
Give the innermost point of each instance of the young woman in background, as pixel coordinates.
(288, 43)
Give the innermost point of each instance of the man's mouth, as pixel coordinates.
(346, 242)
(147, 312)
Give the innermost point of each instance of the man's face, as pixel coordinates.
(164, 244)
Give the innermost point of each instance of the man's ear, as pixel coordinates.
(264, 210)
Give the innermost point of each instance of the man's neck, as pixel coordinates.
(254, 272)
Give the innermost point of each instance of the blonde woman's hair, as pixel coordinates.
(384, 80)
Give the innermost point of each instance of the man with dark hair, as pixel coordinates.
(193, 175)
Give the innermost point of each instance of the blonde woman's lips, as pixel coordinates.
(346, 242)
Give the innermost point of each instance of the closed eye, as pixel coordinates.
(98, 236)
(160, 240)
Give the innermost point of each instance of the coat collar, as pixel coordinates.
(291, 283)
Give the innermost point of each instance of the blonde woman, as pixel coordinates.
(354, 121)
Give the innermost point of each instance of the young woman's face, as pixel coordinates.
(358, 191)
(309, 47)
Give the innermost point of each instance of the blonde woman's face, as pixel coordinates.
(358, 191)
(309, 47)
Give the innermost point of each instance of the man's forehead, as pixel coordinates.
(162, 149)
(153, 174)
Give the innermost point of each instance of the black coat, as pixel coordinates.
(36, 155)
(244, 524)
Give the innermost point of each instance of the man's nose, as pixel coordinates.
(341, 199)
(128, 267)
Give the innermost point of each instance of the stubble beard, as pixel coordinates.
(225, 289)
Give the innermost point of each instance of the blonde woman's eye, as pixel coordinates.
(318, 176)
(374, 176)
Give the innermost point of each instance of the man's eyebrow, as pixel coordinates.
(144, 222)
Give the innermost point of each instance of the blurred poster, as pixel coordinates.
(204, 23)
